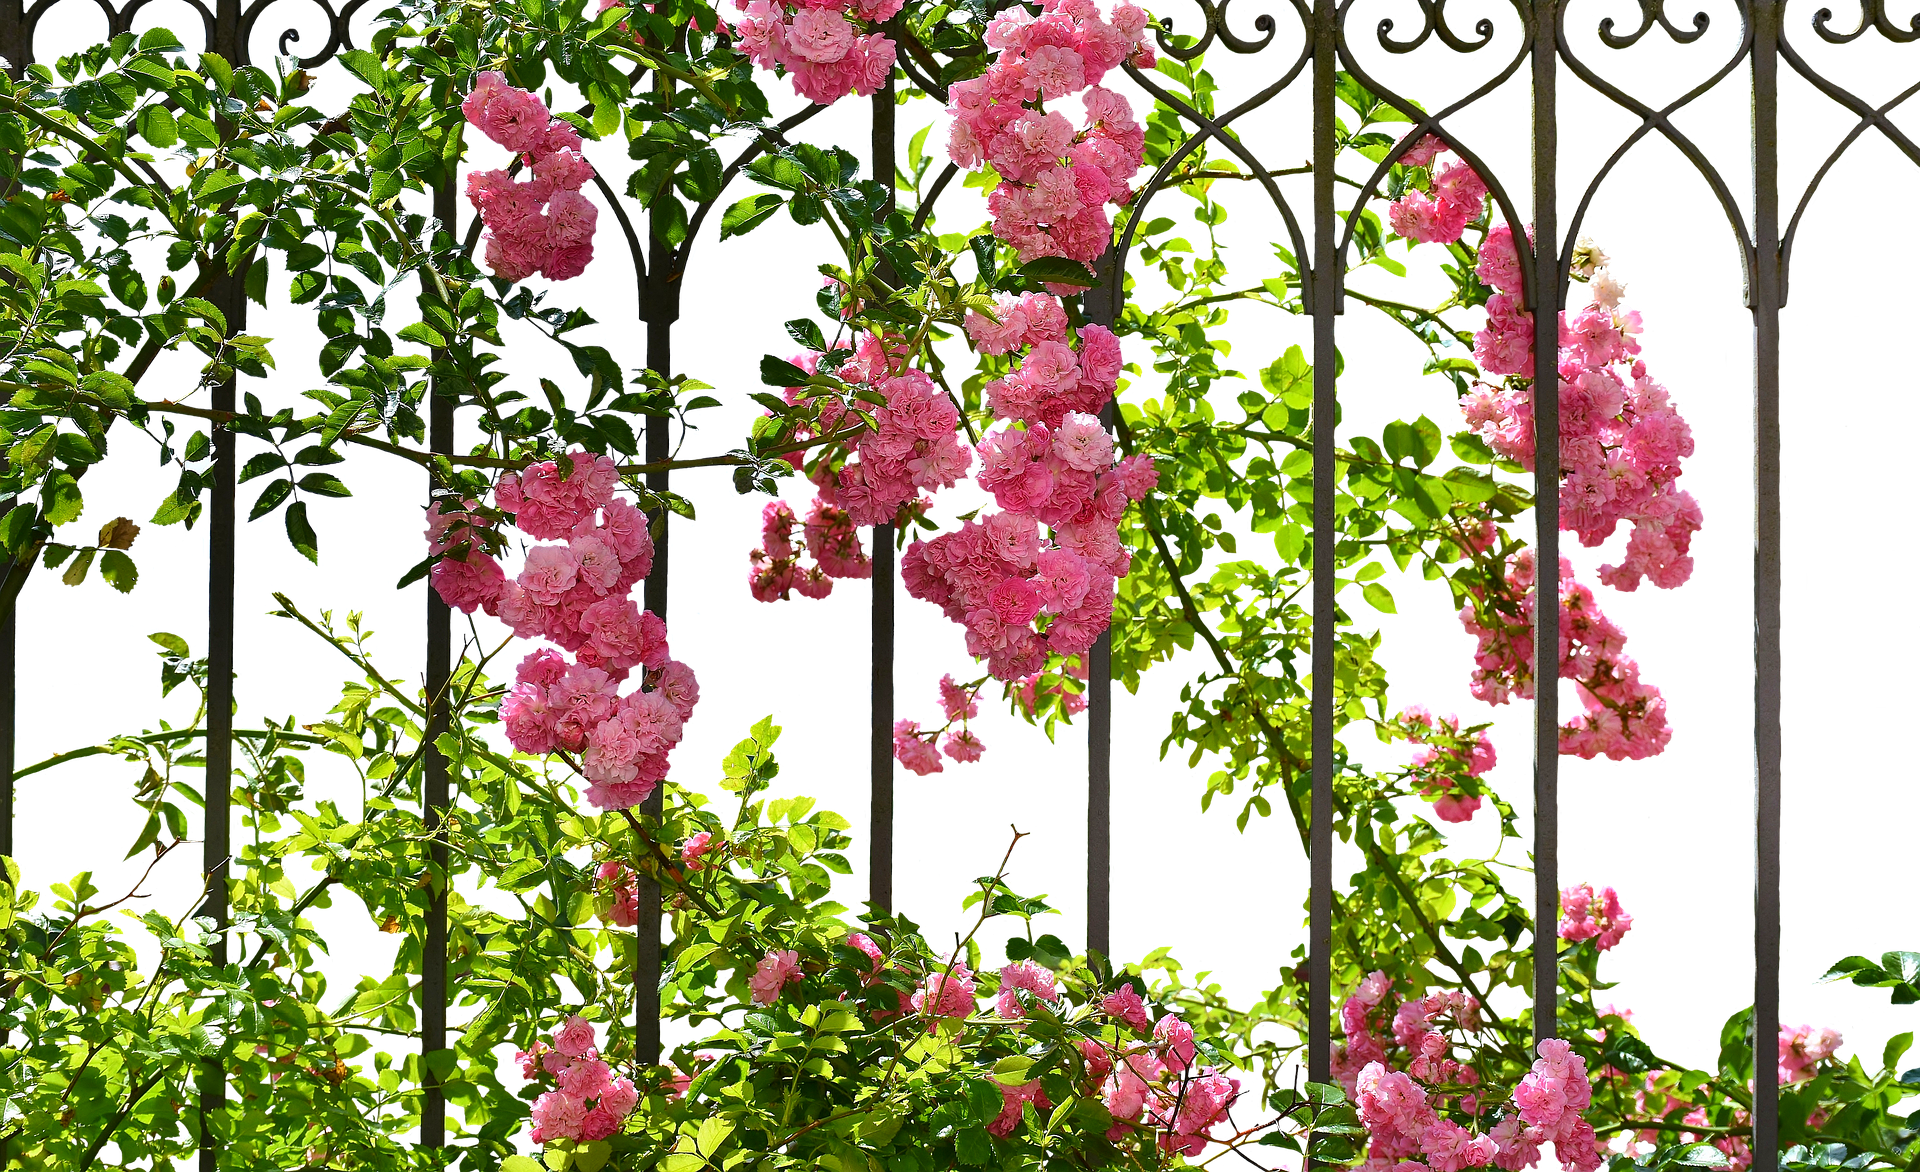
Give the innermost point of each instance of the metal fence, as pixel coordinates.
(1327, 49)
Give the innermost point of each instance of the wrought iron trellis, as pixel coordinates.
(1764, 248)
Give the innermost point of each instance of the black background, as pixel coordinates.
(1671, 834)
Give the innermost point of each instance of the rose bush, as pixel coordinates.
(820, 1037)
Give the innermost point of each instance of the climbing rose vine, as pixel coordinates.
(577, 595)
(1621, 447)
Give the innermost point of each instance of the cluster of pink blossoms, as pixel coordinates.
(1621, 450)
(616, 883)
(587, 1102)
(1804, 1047)
(1407, 1111)
(1621, 444)
(911, 446)
(913, 746)
(1621, 441)
(1055, 180)
(541, 224)
(826, 55)
(997, 575)
(1586, 914)
(1157, 1081)
(577, 595)
(1022, 594)
(1438, 211)
(1625, 718)
(1444, 755)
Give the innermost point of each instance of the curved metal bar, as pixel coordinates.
(1215, 128)
(1911, 33)
(727, 177)
(1262, 23)
(133, 10)
(1424, 124)
(39, 10)
(1872, 116)
(1435, 12)
(1216, 15)
(634, 248)
(1650, 120)
(339, 29)
(1652, 12)
(1872, 12)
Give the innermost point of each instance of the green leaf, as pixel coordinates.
(591, 1157)
(60, 497)
(119, 571)
(1897, 1046)
(323, 484)
(270, 499)
(778, 372)
(713, 1132)
(1398, 440)
(110, 388)
(973, 1146)
(1378, 597)
(1012, 1070)
(215, 67)
(301, 534)
(1904, 966)
(1058, 270)
(1853, 966)
(519, 1164)
(747, 212)
(156, 125)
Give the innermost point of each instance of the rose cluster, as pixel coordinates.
(1625, 717)
(909, 445)
(913, 746)
(1156, 1081)
(1621, 441)
(1407, 1111)
(1445, 754)
(1144, 1079)
(1621, 448)
(1055, 179)
(541, 224)
(587, 1102)
(577, 595)
(1586, 914)
(824, 53)
(1146, 1074)
(998, 575)
(1442, 201)
(1804, 1047)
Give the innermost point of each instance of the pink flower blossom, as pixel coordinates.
(777, 969)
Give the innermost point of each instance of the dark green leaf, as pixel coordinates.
(1058, 270)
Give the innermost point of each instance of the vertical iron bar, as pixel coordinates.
(662, 307)
(15, 45)
(880, 817)
(1100, 305)
(7, 646)
(229, 294)
(1546, 487)
(1766, 298)
(880, 811)
(216, 832)
(1325, 298)
(435, 795)
(8, 690)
